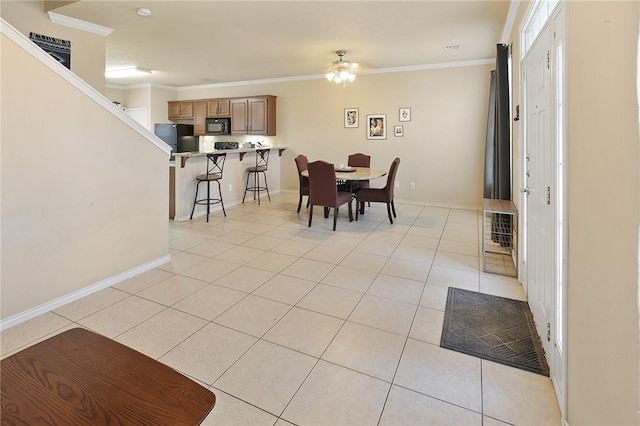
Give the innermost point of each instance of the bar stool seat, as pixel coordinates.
(215, 167)
(261, 166)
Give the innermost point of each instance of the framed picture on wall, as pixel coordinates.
(398, 131)
(405, 114)
(377, 126)
(351, 117)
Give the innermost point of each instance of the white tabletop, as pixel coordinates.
(359, 173)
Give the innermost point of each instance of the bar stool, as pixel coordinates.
(215, 166)
(262, 163)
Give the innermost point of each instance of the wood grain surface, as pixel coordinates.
(79, 377)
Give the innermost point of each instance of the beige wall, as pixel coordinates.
(442, 150)
(603, 212)
(87, 49)
(603, 209)
(80, 187)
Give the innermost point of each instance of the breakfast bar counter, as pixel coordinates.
(188, 165)
(184, 156)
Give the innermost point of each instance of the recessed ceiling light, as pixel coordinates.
(143, 11)
(453, 47)
(126, 72)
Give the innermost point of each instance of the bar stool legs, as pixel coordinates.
(215, 166)
(262, 161)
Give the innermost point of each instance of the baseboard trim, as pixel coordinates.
(55, 304)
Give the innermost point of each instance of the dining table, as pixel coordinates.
(354, 173)
(349, 177)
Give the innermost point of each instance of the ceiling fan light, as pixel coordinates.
(344, 75)
(337, 79)
(352, 77)
(330, 75)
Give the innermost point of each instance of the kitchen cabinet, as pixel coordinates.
(179, 110)
(218, 108)
(253, 116)
(199, 117)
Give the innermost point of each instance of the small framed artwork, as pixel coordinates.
(377, 126)
(351, 118)
(398, 131)
(405, 114)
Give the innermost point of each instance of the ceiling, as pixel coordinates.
(189, 43)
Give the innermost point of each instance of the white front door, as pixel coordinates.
(540, 242)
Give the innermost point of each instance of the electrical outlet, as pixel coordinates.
(413, 185)
(230, 187)
(397, 184)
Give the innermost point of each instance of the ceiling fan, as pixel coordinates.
(340, 70)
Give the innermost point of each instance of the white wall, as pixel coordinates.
(603, 208)
(79, 188)
(442, 150)
(87, 49)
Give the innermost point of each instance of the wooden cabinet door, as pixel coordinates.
(239, 115)
(186, 109)
(218, 108)
(199, 118)
(174, 110)
(257, 116)
(223, 108)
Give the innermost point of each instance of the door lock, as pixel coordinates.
(525, 191)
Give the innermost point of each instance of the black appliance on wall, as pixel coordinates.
(178, 136)
(218, 126)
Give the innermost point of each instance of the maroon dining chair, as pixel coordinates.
(380, 195)
(323, 190)
(301, 164)
(359, 160)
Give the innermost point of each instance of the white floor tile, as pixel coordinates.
(88, 305)
(518, 397)
(350, 278)
(396, 288)
(231, 411)
(330, 300)
(406, 407)
(245, 279)
(334, 395)
(285, 289)
(172, 290)
(120, 317)
(440, 373)
(267, 376)
(210, 301)
(161, 333)
(305, 331)
(209, 352)
(307, 269)
(427, 325)
(253, 315)
(384, 314)
(367, 350)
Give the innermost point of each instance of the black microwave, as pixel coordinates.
(217, 126)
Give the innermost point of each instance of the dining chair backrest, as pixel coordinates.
(359, 160)
(391, 177)
(322, 184)
(302, 163)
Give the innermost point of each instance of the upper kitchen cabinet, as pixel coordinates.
(199, 117)
(218, 108)
(179, 110)
(253, 116)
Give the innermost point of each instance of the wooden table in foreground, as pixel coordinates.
(79, 377)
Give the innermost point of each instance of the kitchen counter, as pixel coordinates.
(184, 156)
(232, 183)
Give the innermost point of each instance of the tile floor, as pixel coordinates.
(295, 325)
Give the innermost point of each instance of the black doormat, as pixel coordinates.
(493, 328)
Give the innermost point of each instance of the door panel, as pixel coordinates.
(540, 233)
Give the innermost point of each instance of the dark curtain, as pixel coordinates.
(497, 177)
(497, 171)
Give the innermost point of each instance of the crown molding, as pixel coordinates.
(79, 24)
(511, 19)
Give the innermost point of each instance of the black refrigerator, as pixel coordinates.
(178, 136)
